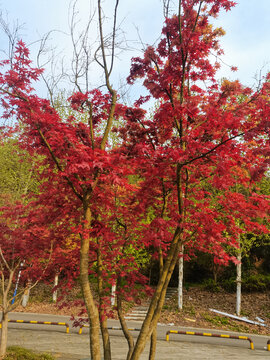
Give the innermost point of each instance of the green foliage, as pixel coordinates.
(265, 185)
(251, 283)
(245, 313)
(189, 309)
(141, 255)
(18, 353)
(215, 319)
(211, 285)
(229, 285)
(256, 282)
(220, 321)
(17, 177)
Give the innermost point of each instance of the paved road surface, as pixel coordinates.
(53, 339)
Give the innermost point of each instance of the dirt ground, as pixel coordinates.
(195, 313)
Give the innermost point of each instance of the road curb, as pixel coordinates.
(224, 336)
(39, 323)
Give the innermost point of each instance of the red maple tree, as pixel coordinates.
(186, 159)
(24, 256)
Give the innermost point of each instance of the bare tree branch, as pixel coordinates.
(113, 35)
(4, 260)
(51, 82)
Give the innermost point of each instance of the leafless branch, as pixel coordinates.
(51, 82)
(113, 35)
(166, 8)
(82, 58)
(4, 260)
(12, 34)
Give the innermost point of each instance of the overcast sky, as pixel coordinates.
(246, 42)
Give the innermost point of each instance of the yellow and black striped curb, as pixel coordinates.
(39, 323)
(109, 328)
(212, 335)
(138, 329)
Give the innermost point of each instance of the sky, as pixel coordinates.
(246, 43)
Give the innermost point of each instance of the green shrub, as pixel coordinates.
(189, 309)
(215, 319)
(18, 353)
(229, 285)
(220, 321)
(256, 282)
(251, 283)
(211, 285)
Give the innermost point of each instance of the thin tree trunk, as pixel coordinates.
(4, 333)
(215, 272)
(5, 306)
(102, 315)
(105, 334)
(180, 277)
(238, 283)
(157, 302)
(153, 345)
(124, 327)
(91, 307)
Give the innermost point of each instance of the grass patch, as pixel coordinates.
(220, 321)
(245, 313)
(189, 310)
(216, 320)
(18, 353)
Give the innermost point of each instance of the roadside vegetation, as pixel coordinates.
(19, 353)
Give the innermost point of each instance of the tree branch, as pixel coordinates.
(113, 35)
(59, 167)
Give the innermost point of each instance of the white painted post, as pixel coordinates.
(113, 295)
(180, 277)
(26, 294)
(55, 291)
(238, 282)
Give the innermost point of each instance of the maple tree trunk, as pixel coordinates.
(215, 272)
(105, 335)
(153, 345)
(91, 307)
(102, 315)
(157, 301)
(4, 333)
(124, 327)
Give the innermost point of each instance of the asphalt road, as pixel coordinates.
(53, 339)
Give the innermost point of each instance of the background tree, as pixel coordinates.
(22, 250)
(17, 177)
